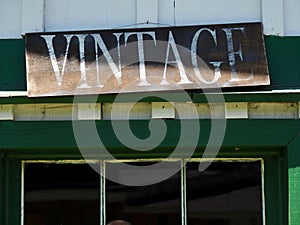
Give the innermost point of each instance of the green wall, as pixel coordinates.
(294, 180)
(12, 64)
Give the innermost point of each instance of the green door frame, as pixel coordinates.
(276, 141)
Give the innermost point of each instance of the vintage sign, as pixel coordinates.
(148, 59)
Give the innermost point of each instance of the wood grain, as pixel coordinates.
(72, 63)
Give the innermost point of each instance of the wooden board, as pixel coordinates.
(148, 59)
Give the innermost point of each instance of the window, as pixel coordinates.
(229, 192)
(61, 194)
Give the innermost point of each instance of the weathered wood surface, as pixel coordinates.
(148, 59)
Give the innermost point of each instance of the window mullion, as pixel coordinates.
(102, 193)
(183, 193)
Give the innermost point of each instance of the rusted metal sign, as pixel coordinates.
(149, 59)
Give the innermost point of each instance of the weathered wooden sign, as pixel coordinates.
(148, 59)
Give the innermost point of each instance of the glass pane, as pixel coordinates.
(155, 204)
(227, 193)
(61, 194)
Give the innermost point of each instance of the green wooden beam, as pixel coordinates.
(249, 97)
(240, 134)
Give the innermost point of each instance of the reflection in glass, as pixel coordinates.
(227, 193)
(61, 194)
(156, 204)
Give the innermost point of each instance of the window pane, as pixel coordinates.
(61, 194)
(227, 193)
(156, 204)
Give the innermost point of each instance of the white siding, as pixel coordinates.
(88, 14)
(10, 18)
(147, 11)
(292, 17)
(279, 17)
(166, 12)
(273, 20)
(32, 16)
(217, 11)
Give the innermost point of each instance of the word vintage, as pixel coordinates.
(145, 59)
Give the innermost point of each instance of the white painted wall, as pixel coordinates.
(88, 14)
(292, 17)
(32, 16)
(279, 17)
(10, 18)
(217, 11)
(166, 12)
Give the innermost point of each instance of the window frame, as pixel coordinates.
(183, 179)
(244, 138)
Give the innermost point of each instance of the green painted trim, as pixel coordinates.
(276, 199)
(276, 203)
(11, 192)
(12, 64)
(283, 61)
(268, 139)
(161, 97)
(250, 97)
(294, 193)
(2, 189)
(241, 134)
(13, 201)
(294, 180)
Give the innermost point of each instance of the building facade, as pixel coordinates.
(227, 155)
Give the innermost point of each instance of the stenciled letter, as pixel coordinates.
(194, 55)
(83, 81)
(116, 71)
(49, 41)
(141, 53)
(183, 77)
(232, 53)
